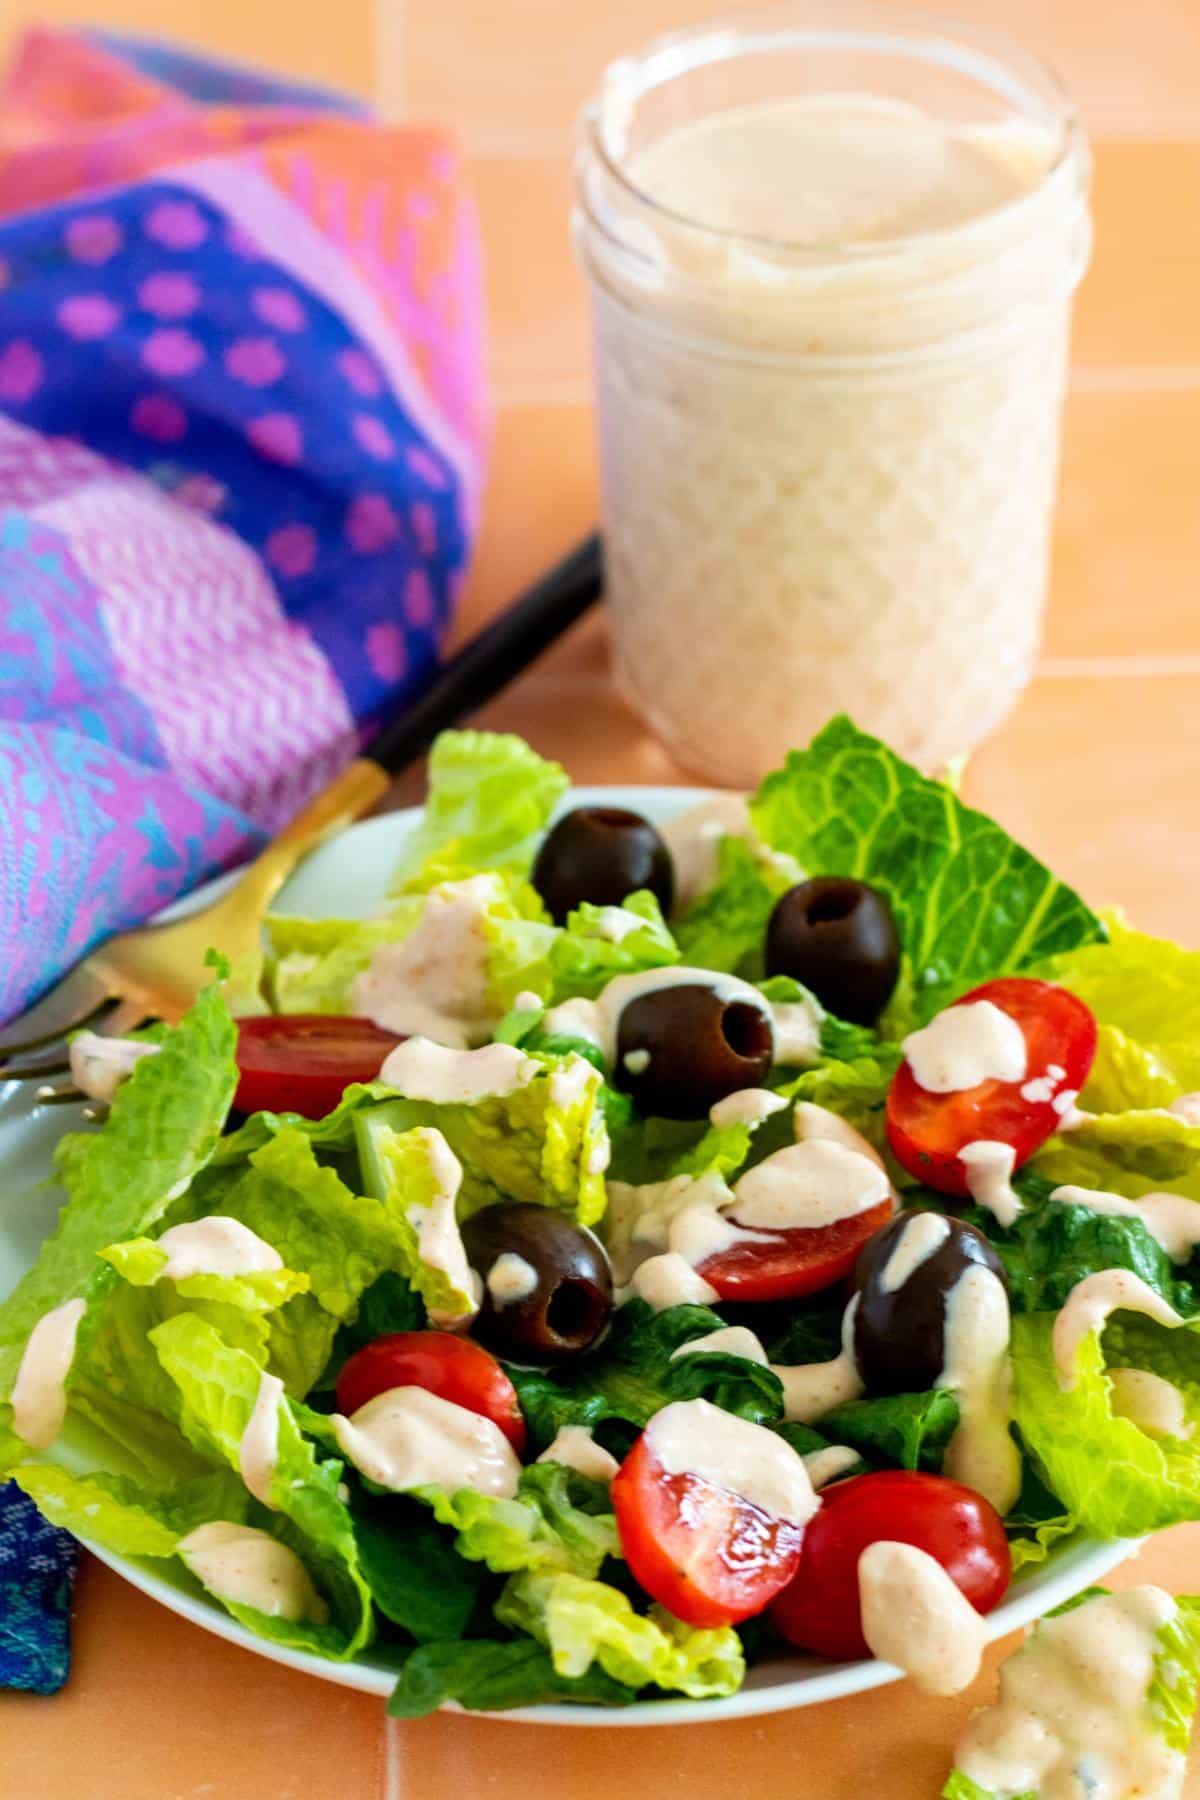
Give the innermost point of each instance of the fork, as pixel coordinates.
(156, 971)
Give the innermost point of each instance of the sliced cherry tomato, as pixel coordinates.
(454, 1368)
(704, 1553)
(303, 1062)
(927, 1131)
(819, 1610)
(785, 1264)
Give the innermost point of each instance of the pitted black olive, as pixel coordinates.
(547, 1284)
(602, 854)
(900, 1320)
(681, 1049)
(839, 938)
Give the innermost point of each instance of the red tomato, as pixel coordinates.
(952, 1523)
(302, 1062)
(707, 1555)
(454, 1368)
(927, 1131)
(786, 1264)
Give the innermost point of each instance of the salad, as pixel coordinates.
(632, 1254)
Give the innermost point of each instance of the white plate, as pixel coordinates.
(348, 877)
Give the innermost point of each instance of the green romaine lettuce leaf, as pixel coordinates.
(490, 799)
(131, 1518)
(417, 1578)
(312, 963)
(585, 957)
(724, 928)
(543, 1528)
(584, 1622)
(485, 1676)
(969, 902)
(901, 1431)
(404, 1164)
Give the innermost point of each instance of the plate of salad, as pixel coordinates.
(628, 1256)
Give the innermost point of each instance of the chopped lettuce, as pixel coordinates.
(416, 1575)
(903, 1431)
(163, 1127)
(558, 1521)
(127, 1517)
(312, 963)
(1145, 993)
(724, 927)
(584, 1622)
(1129, 1153)
(405, 1163)
(484, 1675)
(490, 798)
(598, 943)
(970, 903)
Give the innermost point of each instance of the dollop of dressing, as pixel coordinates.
(1073, 1716)
(989, 1167)
(576, 1448)
(914, 1616)
(434, 982)
(439, 1240)
(407, 1438)
(1154, 1405)
(39, 1394)
(748, 1106)
(977, 1370)
(808, 1185)
(826, 1465)
(731, 1340)
(1171, 1219)
(215, 1245)
(511, 1278)
(421, 1069)
(921, 1237)
(965, 1045)
(246, 1567)
(694, 840)
(810, 1390)
(100, 1064)
(669, 1280)
(258, 1447)
(1088, 1308)
(811, 1121)
(693, 1437)
(797, 1033)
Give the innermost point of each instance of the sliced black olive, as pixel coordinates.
(900, 1326)
(839, 938)
(681, 1049)
(602, 854)
(568, 1300)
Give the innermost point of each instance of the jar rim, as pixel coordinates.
(991, 57)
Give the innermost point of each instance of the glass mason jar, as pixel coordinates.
(828, 457)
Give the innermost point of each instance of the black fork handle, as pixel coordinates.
(502, 650)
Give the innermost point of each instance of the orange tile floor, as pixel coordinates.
(1098, 770)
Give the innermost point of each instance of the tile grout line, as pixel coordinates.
(389, 37)
(393, 1761)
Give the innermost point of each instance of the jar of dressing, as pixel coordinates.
(832, 251)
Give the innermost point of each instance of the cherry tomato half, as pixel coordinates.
(303, 1062)
(454, 1368)
(927, 1131)
(704, 1553)
(787, 1264)
(819, 1610)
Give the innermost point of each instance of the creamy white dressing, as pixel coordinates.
(215, 1245)
(615, 923)
(407, 1438)
(989, 1167)
(636, 1061)
(1171, 1219)
(810, 1390)
(978, 1372)
(439, 1240)
(575, 1448)
(811, 1121)
(1072, 1718)
(1154, 1405)
(100, 1064)
(922, 1237)
(577, 1019)
(1088, 1308)
(39, 1393)
(511, 1278)
(434, 982)
(527, 1001)
(826, 1465)
(914, 1616)
(694, 840)
(1043, 1088)
(797, 1033)
(808, 1185)
(965, 1045)
(693, 1437)
(246, 1567)
(258, 1447)
(748, 1106)
(668, 1280)
(1187, 1108)
(1064, 1103)
(731, 1340)
(571, 1082)
(421, 1069)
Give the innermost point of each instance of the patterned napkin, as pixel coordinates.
(242, 425)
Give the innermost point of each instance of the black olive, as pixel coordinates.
(602, 854)
(570, 1300)
(900, 1335)
(681, 1049)
(839, 938)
